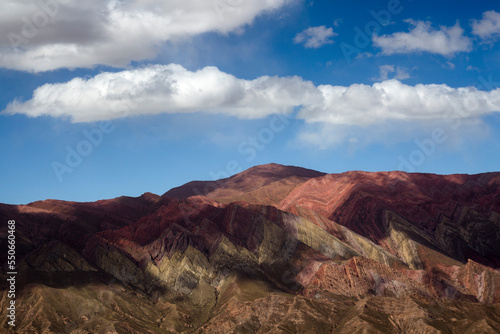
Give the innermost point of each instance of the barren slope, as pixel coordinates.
(275, 249)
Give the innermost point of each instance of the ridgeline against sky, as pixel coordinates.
(104, 98)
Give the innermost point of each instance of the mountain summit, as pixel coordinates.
(272, 249)
(254, 184)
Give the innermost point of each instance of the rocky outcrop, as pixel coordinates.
(453, 214)
(56, 256)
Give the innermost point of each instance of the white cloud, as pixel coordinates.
(315, 37)
(364, 105)
(363, 55)
(400, 73)
(70, 33)
(473, 68)
(173, 89)
(424, 38)
(166, 89)
(450, 65)
(488, 27)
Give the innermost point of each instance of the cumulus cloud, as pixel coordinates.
(315, 37)
(488, 27)
(400, 73)
(173, 89)
(422, 37)
(50, 34)
(364, 105)
(165, 89)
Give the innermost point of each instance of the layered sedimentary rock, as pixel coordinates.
(273, 249)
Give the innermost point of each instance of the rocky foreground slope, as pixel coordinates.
(275, 249)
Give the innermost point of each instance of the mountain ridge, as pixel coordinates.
(274, 248)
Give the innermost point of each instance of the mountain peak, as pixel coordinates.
(277, 170)
(272, 242)
(260, 183)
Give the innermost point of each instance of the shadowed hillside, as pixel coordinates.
(274, 249)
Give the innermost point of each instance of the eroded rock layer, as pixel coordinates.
(275, 249)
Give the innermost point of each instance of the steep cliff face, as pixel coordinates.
(273, 249)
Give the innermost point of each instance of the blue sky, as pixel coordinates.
(107, 98)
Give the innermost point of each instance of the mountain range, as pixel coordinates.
(274, 249)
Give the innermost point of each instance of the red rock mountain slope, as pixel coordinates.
(274, 249)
